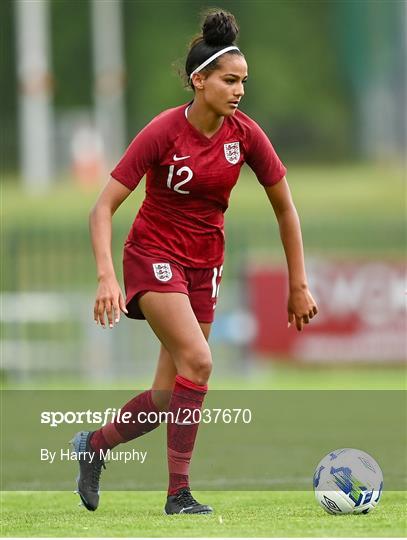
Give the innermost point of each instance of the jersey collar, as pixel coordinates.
(198, 134)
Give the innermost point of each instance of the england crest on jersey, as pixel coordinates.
(232, 152)
(162, 271)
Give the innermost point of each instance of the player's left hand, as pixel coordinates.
(301, 307)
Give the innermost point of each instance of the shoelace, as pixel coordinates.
(96, 472)
(185, 498)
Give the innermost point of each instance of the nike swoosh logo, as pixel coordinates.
(176, 158)
(184, 509)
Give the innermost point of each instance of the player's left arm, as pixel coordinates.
(301, 305)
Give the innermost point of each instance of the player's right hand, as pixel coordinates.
(109, 299)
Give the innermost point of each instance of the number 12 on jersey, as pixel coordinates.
(179, 172)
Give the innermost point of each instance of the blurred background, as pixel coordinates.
(327, 82)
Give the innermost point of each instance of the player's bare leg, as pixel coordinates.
(172, 319)
(166, 372)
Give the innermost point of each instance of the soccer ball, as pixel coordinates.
(348, 481)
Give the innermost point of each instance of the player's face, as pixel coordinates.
(224, 88)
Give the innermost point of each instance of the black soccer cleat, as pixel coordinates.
(89, 470)
(184, 503)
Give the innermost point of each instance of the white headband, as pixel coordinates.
(212, 58)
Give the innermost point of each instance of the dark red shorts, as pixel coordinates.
(144, 272)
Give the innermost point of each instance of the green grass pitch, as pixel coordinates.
(238, 514)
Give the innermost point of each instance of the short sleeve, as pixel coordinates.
(262, 158)
(139, 157)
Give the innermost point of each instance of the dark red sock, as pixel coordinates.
(117, 432)
(186, 396)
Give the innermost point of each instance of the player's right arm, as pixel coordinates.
(139, 157)
(109, 297)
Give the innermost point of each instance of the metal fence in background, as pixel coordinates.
(47, 312)
(49, 284)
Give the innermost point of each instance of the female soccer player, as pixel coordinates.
(173, 255)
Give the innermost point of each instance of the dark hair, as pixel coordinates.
(219, 30)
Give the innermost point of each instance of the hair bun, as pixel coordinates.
(219, 28)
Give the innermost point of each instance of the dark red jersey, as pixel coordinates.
(189, 180)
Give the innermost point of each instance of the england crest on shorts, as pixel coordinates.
(162, 271)
(232, 152)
